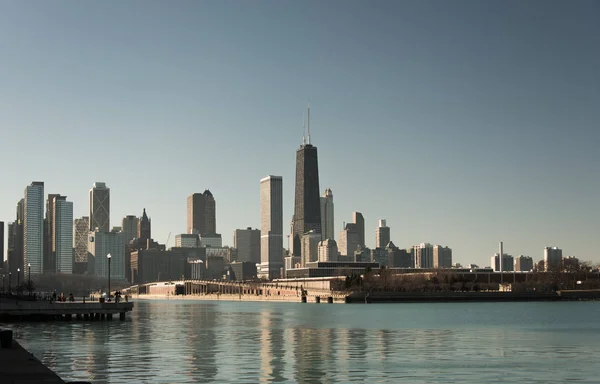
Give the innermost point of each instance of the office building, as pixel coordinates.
(271, 226)
(327, 218)
(154, 265)
(144, 229)
(201, 213)
(507, 262)
(442, 257)
(381, 256)
(62, 234)
(215, 267)
(328, 250)
(2, 241)
(307, 203)
(349, 241)
(552, 259)
(81, 228)
(399, 258)
(129, 227)
(15, 240)
(49, 255)
(423, 255)
(99, 246)
(247, 243)
(186, 240)
(382, 235)
(310, 247)
(33, 229)
(210, 240)
(523, 263)
(100, 207)
(359, 221)
(362, 255)
(243, 271)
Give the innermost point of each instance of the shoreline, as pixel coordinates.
(236, 297)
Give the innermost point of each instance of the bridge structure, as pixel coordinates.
(300, 290)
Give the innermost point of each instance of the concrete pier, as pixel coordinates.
(11, 310)
(21, 367)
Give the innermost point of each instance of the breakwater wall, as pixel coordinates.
(442, 297)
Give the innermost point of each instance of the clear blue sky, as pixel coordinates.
(461, 122)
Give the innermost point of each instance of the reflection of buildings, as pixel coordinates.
(272, 355)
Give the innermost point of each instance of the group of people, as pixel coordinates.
(62, 298)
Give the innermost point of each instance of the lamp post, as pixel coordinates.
(18, 275)
(29, 276)
(9, 283)
(108, 257)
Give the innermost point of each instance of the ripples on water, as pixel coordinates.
(229, 342)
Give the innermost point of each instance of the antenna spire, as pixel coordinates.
(303, 130)
(309, 122)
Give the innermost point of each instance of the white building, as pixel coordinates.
(349, 241)
(328, 250)
(247, 243)
(423, 255)
(186, 240)
(327, 218)
(33, 228)
(310, 247)
(271, 226)
(62, 242)
(100, 207)
(552, 258)
(99, 246)
(81, 229)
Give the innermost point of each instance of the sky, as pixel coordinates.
(462, 123)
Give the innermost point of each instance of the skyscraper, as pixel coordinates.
(100, 207)
(33, 228)
(423, 255)
(271, 226)
(130, 227)
(201, 213)
(307, 203)
(49, 256)
(15, 240)
(327, 219)
(442, 257)
(247, 242)
(2, 241)
(144, 230)
(382, 235)
(81, 228)
(348, 241)
(62, 234)
(552, 259)
(359, 220)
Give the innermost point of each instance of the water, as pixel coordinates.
(253, 342)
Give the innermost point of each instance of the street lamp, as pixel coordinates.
(29, 275)
(9, 283)
(108, 257)
(18, 274)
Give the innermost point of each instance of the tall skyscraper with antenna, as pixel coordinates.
(307, 202)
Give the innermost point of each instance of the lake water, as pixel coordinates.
(187, 341)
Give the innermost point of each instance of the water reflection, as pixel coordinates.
(190, 342)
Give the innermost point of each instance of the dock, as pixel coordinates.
(15, 310)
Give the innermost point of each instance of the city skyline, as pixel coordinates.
(419, 97)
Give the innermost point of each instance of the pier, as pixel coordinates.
(12, 309)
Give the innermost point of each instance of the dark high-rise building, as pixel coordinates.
(2, 241)
(15, 240)
(201, 213)
(49, 256)
(359, 220)
(100, 207)
(307, 203)
(144, 227)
